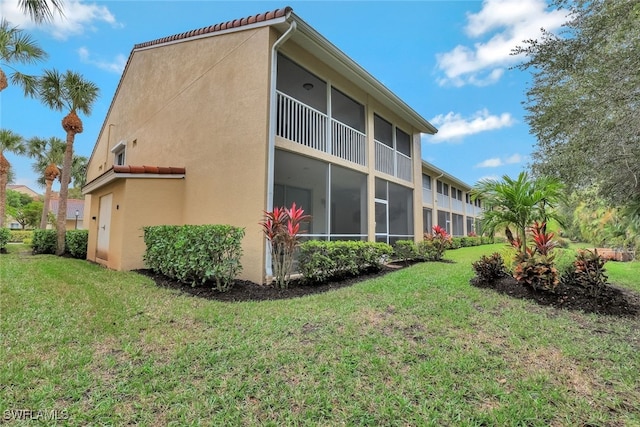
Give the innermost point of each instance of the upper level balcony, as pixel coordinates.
(313, 113)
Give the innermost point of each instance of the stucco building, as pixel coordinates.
(216, 125)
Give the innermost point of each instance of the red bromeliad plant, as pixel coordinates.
(281, 227)
(440, 240)
(535, 264)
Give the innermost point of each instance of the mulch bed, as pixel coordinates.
(613, 300)
(244, 290)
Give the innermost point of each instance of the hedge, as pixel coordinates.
(76, 243)
(195, 254)
(19, 236)
(5, 236)
(321, 260)
(44, 241)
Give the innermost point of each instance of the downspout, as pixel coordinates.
(272, 127)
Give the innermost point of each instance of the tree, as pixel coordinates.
(48, 155)
(10, 142)
(72, 92)
(40, 10)
(584, 99)
(17, 47)
(517, 202)
(27, 215)
(79, 171)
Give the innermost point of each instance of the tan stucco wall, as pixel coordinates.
(115, 236)
(202, 105)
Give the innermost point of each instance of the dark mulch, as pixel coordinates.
(244, 290)
(613, 300)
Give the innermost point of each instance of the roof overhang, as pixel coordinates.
(111, 175)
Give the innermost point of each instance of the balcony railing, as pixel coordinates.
(443, 201)
(305, 125)
(393, 163)
(427, 196)
(348, 143)
(457, 206)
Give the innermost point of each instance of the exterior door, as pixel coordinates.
(104, 227)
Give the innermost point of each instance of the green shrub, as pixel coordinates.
(27, 241)
(5, 236)
(195, 253)
(427, 250)
(486, 240)
(490, 268)
(438, 243)
(18, 236)
(76, 243)
(321, 260)
(405, 250)
(564, 260)
(456, 243)
(44, 242)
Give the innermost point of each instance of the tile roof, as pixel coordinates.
(261, 17)
(72, 206)
(161, 170)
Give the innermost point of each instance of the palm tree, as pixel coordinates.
(68, 91)
(11, 142)
(18, 47)
(39, 10)
(517, 202)
(48, 155)
(79, 171)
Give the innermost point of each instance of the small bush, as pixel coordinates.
(5, 236)
(195, 253)
(76, 243)
(427, 250)
(588, 272)
(321, 260)
(18, 236)
(490, 268)
(537, 271)
(44, 242)
(439, 242)
(456, 243)
(27, 241)
(405, 250)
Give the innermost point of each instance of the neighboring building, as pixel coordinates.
(11, 222)
(446, 201)
(75, 213)
(24, 190)
(235, 118)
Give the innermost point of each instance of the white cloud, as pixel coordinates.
(114, 66)
(78, 18)
(453, 126)
(502, 25)
(495, 162)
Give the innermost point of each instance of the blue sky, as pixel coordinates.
(448, 60)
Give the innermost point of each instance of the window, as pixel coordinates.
(403, 142)
(347, 111)
(119, 153)
(458, 225)
(394, 212)
(300, 84)
(426, 182)
(382, 131)
(444, 220)
(442, 188)
(427, 220)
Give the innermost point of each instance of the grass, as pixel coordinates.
(419, 346)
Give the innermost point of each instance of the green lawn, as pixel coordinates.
(419, 346)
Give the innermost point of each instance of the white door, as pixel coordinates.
(104, 225)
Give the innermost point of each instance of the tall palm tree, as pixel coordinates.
(48, 155)
(17, 47)
(517, 202)
(10, 142)
(68, 91)
(40, 10)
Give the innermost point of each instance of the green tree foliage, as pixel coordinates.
(9, 142)
(17, 47)
(517, 202)
(27, 215)
(584, 99)
(41, 11)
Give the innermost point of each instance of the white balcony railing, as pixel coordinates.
(300, 123)
(457, 206)
(427, 196)
(348, 143)
(305, 125)
(443, 201)
(384, 159)
(393, 163)
(403, 167)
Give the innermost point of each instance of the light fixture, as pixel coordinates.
(308, 86)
